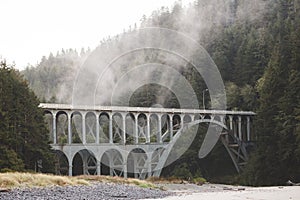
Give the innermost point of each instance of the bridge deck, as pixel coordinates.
(142, 109)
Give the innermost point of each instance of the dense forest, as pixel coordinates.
(256, 46)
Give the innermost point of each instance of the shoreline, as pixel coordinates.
(230, 192)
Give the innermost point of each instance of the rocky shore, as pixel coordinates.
(85, 192)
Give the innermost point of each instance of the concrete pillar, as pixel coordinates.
(248, 129)
(125, 168)
(240, 127)
(69, 128)
(70, 169)
(159, 136)
(123, 115)
(98, 167)
(54, 129)
(111, 164)
(83, 128)
(149, 167)
(110, 129)
(230, 122)
(136, 133)
(97, 128)
(148, 129)
(171, 127)
(181, 121)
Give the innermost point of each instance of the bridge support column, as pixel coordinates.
(148, 129)
(171, 127)
(69, 129)
(70, 169)
(240, 127)
(248, 129)
(54, 129)
(159, 137)
(181, 120)
(230, 122)
(124, 128)
(83, 129)
(97, 128)
(125, 168)
(110, 129)
(136, 133)
(98, 167)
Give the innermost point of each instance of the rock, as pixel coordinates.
(94, 191)
(4, 190)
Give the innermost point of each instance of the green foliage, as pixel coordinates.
(277, 157)
(259, 62)
(23, 134)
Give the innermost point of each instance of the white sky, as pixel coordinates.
(33, 28)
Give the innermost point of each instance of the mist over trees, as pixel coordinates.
(256, 46)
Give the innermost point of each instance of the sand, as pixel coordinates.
(225, 192)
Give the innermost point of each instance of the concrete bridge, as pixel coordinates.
(135, 141)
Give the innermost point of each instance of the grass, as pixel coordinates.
(120, 180)
(18, 179)
(175, 180)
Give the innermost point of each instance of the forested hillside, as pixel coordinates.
(256, 46)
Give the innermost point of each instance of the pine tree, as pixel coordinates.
(23, 133)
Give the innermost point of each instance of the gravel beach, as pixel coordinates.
(91, 192)
(174, 192)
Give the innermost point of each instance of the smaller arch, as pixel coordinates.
(154, 127)
(104, 119)
(76, 127)
(142, 127)
(62, 127)
(117, 125)
(187, 119)
(137, 164)
(165, 127)
(48, 119)
(84, 163)
(130, 128)
(90, 127)
(61, 163)
(112, 163)
(176, 123)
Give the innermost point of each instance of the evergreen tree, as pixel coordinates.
(23, 133)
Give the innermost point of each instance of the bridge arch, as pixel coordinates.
(84, 162)
(137, 163)
(165, 154)
(48, 119)
(61, 163)
(142, 128)
(130, 128)
(117, 126)
(112, 163)
(104, 126)
(90, 127)
(76, 127)
(62, 127)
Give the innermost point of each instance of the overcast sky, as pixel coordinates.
(33, 28)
